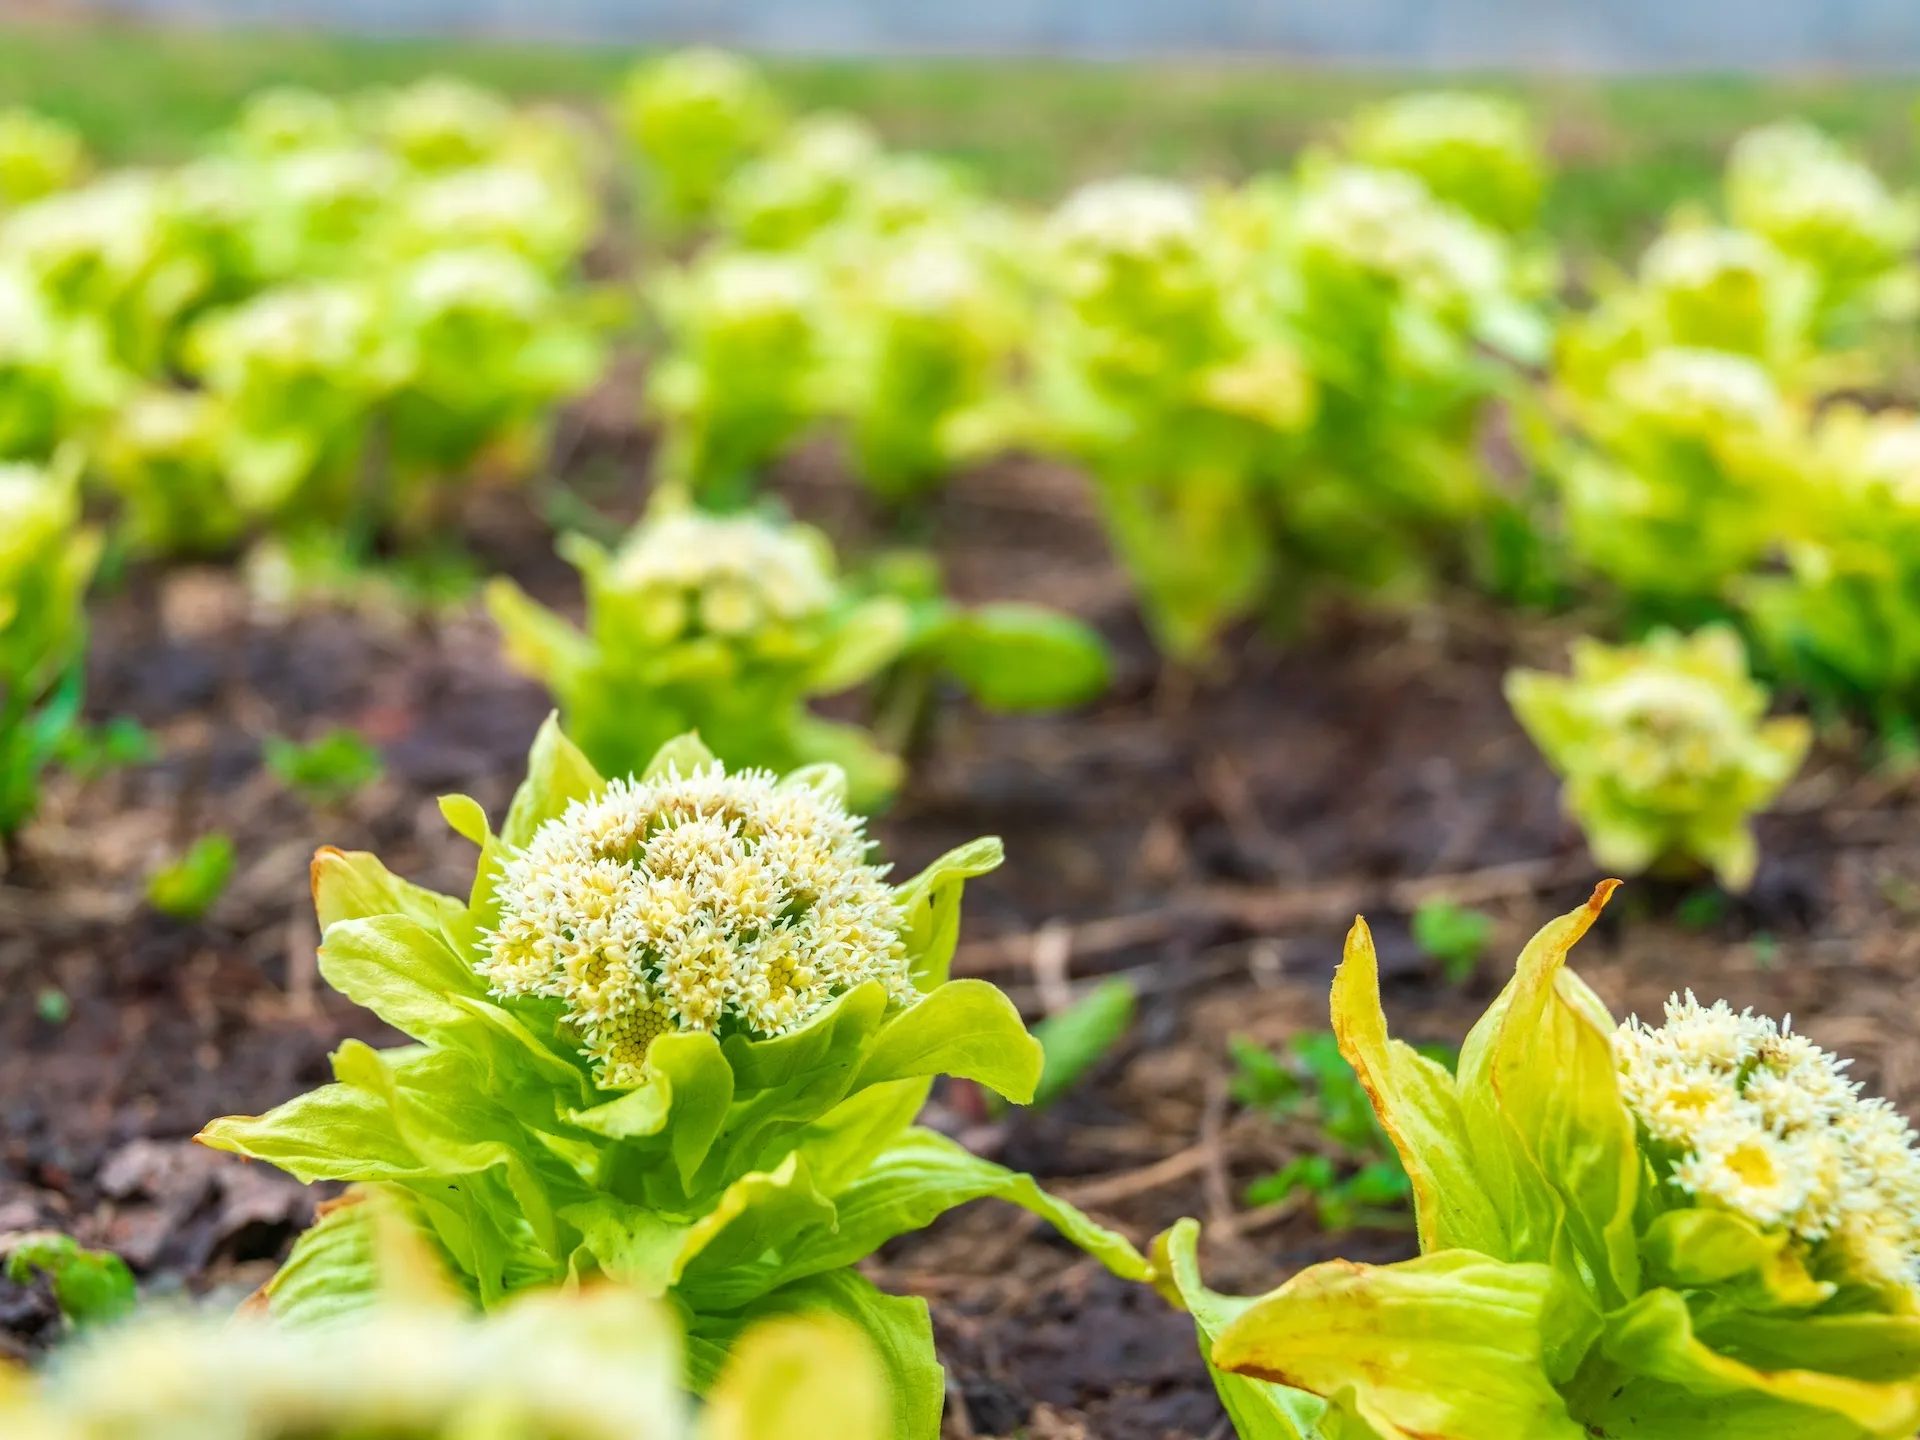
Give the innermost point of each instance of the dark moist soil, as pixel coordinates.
(1212, 840)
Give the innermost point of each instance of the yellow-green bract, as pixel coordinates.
(1601, 1254)
(1664, 748)
(665, 1081)
(46, 561)
(595, 1363)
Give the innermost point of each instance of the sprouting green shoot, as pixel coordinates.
(93, 751)
(1082, 1035)
(1356, 1177)
(186, 888)
(90, 1286)
(1452, 936)
(338, 765)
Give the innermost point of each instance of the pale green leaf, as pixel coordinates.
(931, 904)
(557, 775)
(1671, 1383)
(404, 973)
(800, 1375)
(919, 1177)
(337, 1132)
(1444, 1347)
(1259, 1409)
(965, 1028)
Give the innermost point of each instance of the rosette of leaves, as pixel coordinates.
(57, 372)
(318, 212)
(439, 122)
(809, 178)
(298, 372)
(283, 119)
(1665, 749)
(595, 1363)
(723, 625)
(1411, 317)
(1172, 396)
(492, 349)
(1700, 287)
(921, 359)
(1686, 467)
(38, 156)
(105, 253)
(1844, 620)
(694, 118)
(163, 456)
(1820, 203)
(677, 1035)
(739, 379)
(539, 214)
(1696, 1230)
(46, 562)
(1478, 153)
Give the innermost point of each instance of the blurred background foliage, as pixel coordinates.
(1626, 148)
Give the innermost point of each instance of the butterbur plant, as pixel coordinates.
(1695, 1229)
(1664, 748)
(740, 378)
(492, 351)
(1690, 465)
(1173, 398)
(694, 117)
(1844, 618)
(924, 355)
(1821, 204)
(298, 371)
(597, 1363)
(38, 155)
(163, 456)
(1476, 152)
(720, 624)
(677, 1035)
(46, 562)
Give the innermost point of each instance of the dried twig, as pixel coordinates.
(1052, 950)
(1110, 1189)
(1214, 1187)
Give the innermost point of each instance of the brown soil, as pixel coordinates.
(1212, 841)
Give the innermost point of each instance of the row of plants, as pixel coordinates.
(1358, 379)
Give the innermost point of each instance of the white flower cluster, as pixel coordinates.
(1703, 392)
(750, 290)
(1661, 730)
(930, 276)
(594, 1364)
(1699, 258)
(1135, 216)
(1806, 192)
(1388, 222)
(728, 575)
(1765, 1123)
(713, 902)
